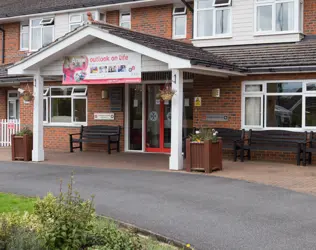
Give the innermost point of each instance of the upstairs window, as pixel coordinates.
(212, 18)
(24, 37)
(78, 19)
(277, 15)
(125, 20)
(42, 32)
(179, 27)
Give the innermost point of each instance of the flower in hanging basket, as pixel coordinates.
(167, 93)
(27, 96)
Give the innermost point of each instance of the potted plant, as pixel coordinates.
(22, 145)
(204, 151)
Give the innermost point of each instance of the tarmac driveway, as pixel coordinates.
(208, 212)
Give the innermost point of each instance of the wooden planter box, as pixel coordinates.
(21, 147)
(205, 156)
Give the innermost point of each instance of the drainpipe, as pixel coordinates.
(3, 43)
(190, 8)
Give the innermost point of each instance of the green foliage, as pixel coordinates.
(106, 235)
(25, 131)
(65, 220)
(24, 239)
(204, 134)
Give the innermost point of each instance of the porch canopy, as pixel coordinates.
(177, 57)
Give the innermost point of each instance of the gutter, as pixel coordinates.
(3, 44)
(289, 69)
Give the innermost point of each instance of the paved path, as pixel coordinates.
(208, 212)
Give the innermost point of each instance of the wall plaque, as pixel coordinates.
(104, 116)
(216, 118)
(116, 99)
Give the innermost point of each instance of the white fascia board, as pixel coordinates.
(211, 70)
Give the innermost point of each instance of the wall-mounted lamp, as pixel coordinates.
(216, 93)
(105, 94)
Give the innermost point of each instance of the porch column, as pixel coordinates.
(176, 158)
(38, 129)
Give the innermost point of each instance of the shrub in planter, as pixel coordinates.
(204, 151)
(22, 145)
(65, 220)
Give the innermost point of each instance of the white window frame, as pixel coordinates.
(42, 27)
(130, 21)
(72, 97)
(13, 99)
(214, 8)
(75, 23)
(175, 16)
(297, 16)
(21, 36)
(265, 95)
(229, 2)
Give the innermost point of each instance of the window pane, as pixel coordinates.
(179, 10)
(310, 111)
(76, 18)
(125, 17)
(47, 35)
(11, 110)
(284, 87)
(61, 91)
(74, 26)
(253, 111)
(285, 16)
(24, 40)
(264, 18)
(253, 88)
(36, 22)
(311, 87)
(205, 23)
(179, 23)
(78, 90)
(222, 21)
(205, 4)
(126, 25)
(220, 2)
(284, 111)
(44, 110)
(61, 110)
(36, 38)
(79, 110)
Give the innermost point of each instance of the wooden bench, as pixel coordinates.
(97, 134)
(234, 140)
(278, 140)
(309, 148)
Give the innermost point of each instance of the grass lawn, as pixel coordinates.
(13, 203)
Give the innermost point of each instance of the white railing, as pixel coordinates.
(8, 128)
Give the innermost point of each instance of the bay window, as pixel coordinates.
(277, 15)
(42, 32)
(279, 104)
(212, 18)
(65, 105)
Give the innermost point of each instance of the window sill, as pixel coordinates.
(67, 125)
(258, 34)
(179, 37)
(212, 38)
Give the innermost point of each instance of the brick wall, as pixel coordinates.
(309, 17)
(113, 17)
(12, 43)
(3, 103)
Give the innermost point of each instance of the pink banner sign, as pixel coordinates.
(108, 68)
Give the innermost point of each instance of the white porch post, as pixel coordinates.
(176, 158)
(38, 129)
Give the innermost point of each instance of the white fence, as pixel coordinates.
(8, 128)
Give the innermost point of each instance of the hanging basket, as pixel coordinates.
(27, 96)
(166, 96)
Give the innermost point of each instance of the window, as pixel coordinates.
(75, 21)
(65, 105)
(179, 23)
(286, 104)
(42, 32)
(277, 15)
(125, 20)
(24, 37)
(13, 107)
(212, 18)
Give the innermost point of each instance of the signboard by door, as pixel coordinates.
(104, 116)
(106, 68)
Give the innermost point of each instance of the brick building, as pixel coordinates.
(259, 54)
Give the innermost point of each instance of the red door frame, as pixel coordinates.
(161, 149)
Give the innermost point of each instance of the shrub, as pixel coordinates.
(25, 131)
(24, 239)
(65, 220)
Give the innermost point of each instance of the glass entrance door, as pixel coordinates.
(158, 122)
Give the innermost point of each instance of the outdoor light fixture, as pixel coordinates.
(105, 94)
(216, 93)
